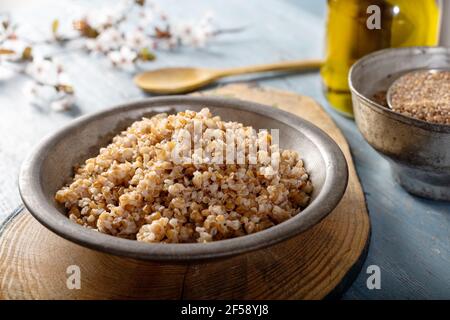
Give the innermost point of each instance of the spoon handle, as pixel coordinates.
(278, 66)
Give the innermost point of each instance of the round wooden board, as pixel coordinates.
(320, 263)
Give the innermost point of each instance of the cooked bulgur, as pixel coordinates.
(135, 189)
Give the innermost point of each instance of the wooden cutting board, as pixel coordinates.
(320, 263)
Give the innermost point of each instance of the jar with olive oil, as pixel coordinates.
(358, 27)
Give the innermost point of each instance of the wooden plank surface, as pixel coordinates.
(319, 263)
(410, 236)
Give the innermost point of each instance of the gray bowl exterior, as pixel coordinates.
(50, 166)
(418, 152)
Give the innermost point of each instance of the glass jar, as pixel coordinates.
(358, 27)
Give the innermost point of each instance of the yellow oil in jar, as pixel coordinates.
(402, 23)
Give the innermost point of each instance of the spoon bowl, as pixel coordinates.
(175, 80)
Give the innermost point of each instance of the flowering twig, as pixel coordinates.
(126, 35)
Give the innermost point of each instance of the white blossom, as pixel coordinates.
(40, 94)
(123, 58)
(110, 39)
(63, 103)
(45, 96)
(50, 84)
(138, 40)
(107, 16)
(194, 34)
(45, 71)
(145, 18)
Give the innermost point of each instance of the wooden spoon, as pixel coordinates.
(180, 80)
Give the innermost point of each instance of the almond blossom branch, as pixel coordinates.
(127, 34)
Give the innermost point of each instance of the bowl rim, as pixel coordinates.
(46, 213)
(436, 127)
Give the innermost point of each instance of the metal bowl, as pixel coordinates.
(50, 166)
(418, 151)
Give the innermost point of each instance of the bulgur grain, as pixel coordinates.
(134, 189)
(424, 95)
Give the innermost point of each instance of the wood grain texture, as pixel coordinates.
(314, 265)
(410, 239)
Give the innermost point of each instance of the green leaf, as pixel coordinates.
(27, 53)
(146, 55)
(55, 26)
(65, 88)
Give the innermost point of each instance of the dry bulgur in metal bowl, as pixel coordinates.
(135, 188)
(50, 166)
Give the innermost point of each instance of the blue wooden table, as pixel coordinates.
(410, 239)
